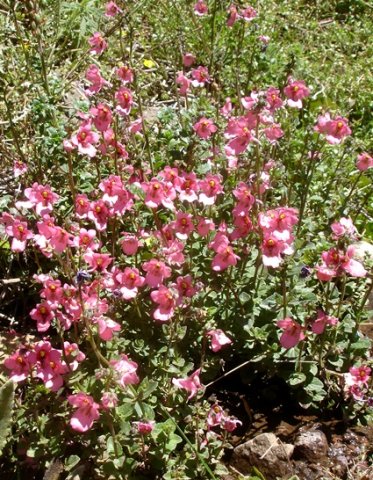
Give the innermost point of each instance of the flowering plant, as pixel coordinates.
(169, 245)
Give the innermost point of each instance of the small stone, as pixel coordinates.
(311, 445)
(265, 452)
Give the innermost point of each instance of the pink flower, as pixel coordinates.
(293, 332)
(325, 274)
(185, 287)
(227, 108)
(230, 424)
(82, 205)
(239, 129)
(98, 44)
(272, 248)
(85, 139)
(215, 416)
(43, 315)
(184, 83)
(295, 92)
(129, 243)
(322, 320)
(125, 74)
(126, 371)
(210, 188)
(156, 272)
(102, 117)
(336, 262)
(273, 98)
(166, 300)
(200, 8)
(60, 239)
(173, 252)
(109, 400)
(86, 239)
(93, 75)
(40, 197)
(99, 213)
(205, 226)
(200, 76)
(191, 384)
(248, 14)
(97, 261)
(279, 222)
(107, 327)
(364, 161)
(183, 225)
(18, 364)
(49, 367)
(264, 39)
(218, 339)
(73, 355)
(274, 132)
(224, 258)
(232, 16)
(124, 98)
(20, 233)
(52, 292)
(19, 168)
(112, 9)
(144, 428)
(154, 193)
(204, 128)
(352, 266)
(188, 187)
(344, 227)
(87, 411)
(129, 281)
(335, 130)
(360, 374)
(188, 59)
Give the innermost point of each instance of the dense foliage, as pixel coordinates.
(186, 192)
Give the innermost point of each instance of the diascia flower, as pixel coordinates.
(322, 320)
(200, 76)
(204, 128)
(218, 339)
(125, 371)
(112, 9)
(87, 411)
(18, 364)
(98, 44)
(43, 315)
(364, 161)
(335, 130)
(295, 91)
(210, 188)
(93, 76)
(156, 272)
(200, 8)
(293, 332)
(85, 140)
(191, 384)
(184, 83)
(166, 300)
(17, 229)
(188, 59)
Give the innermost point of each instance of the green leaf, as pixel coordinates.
(71, 462)
(297, 378)
(6, 411)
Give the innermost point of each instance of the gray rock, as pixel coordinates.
(265, 452)
(311, 445)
